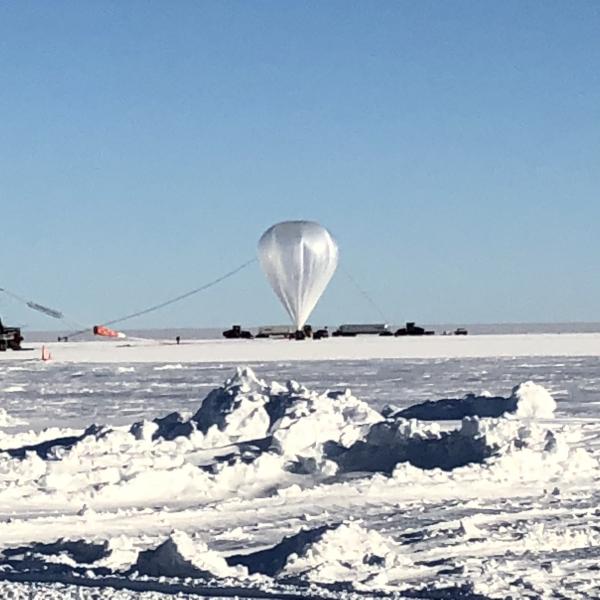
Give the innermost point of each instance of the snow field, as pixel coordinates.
(270, 486)
(360, 348)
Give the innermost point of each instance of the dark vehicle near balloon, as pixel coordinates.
(412, 329)
(307, 332)
(461, 331)
(354, 329)
(236, 333)
(287, 332)
(10, 337)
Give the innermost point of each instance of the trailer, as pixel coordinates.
(353, 329)
(268, 331)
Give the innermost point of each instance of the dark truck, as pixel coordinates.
(10, 337)
(412, 329)
(236, 333)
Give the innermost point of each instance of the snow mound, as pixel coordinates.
(183, 556)
(295, 418)
(529, 451)
(250, 438)
(63, 555)
(7, 420)
(527, 400)
(541, 537)
(422, 445)
(178, 556)
(346, 553)
(511, 450)
(533, 401)
(454, 409)
(476, 441)
(352, 554)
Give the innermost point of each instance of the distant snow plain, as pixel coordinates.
(317, 488)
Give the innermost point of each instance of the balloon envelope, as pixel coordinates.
(298, 258)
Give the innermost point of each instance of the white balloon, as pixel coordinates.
(298, 258)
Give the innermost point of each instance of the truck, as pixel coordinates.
(268, 331)
(10, 337)
(236, 332)
(353, 329)
(412, 329)
(288, 332)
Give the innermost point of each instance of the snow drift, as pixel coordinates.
(337, 554)
(527, 399)
(183, 556)
(249, 438)
(341, 554)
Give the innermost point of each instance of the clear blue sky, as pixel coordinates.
(453, 148)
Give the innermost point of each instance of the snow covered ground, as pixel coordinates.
(421, 468)
(362, 348)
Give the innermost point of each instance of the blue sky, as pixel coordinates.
(453, 148)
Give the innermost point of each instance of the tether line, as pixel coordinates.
(170, 301)
(364, 293)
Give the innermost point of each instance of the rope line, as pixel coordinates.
(364, 293)
(170, 301)
(58, 315)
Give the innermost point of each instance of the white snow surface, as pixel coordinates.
(203, 478)
(359, 348)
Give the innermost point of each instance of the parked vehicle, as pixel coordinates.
(236, 332)
(461, 331)
(268, 331)
(10, 337)
(353, 329)
(412, 329)
(321, 333)
(302, 334)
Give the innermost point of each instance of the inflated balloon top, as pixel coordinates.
(298, 258)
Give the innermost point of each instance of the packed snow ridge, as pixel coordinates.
(249, 437)
(291, 416)
(343, 556)
(526, 400)
(345, 553)
(332, 554)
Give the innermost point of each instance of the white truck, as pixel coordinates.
(267, 331)
(352, 329)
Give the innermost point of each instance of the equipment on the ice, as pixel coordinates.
(104, 331)
(10, 337)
